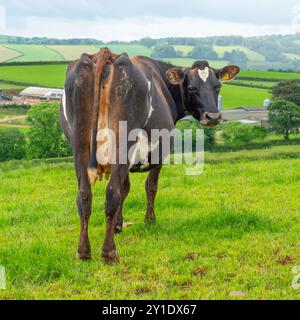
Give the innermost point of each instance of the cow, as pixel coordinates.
(103, 89)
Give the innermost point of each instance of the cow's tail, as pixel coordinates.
(100, 60)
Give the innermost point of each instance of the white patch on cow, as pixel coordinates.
(64, 103)
(142, 149)
(204, 74)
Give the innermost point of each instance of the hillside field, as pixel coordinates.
(29, 53)
(235, 228)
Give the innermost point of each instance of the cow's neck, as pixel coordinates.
(179, 112)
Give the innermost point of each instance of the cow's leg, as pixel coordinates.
(124, 193)
(113, 205)
(151, 190)
(84, 203)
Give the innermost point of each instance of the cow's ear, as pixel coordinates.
(228, 73)
(175, 76)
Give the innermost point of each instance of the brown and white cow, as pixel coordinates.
(103, 89)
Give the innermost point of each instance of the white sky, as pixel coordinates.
(129, 20)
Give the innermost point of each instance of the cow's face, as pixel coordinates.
(201, 87)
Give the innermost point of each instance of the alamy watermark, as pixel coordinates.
(2, 278)
(139, 147)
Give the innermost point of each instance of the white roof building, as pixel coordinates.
(43, 93)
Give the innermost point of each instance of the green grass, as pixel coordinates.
(34, 53)
(235, 96)
(70, 53)
(8, 54)
(251, 55)
(269, 75)
(43, 75)
(184, 49)
(4, 85)
(230, 229)
(188, 62)
(130, 49)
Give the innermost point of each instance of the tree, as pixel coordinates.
(164, 51)
(236, 56)
(287, 90)
(284, 117)
(203, 52)
(45, 138)
(148, 42)
(12, 145)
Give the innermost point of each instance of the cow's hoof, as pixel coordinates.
(84, 256)
(118, 229)
(150, 220)
(110, 257)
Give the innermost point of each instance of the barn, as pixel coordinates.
(42, 93)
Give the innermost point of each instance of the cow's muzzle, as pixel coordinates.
(211, 119)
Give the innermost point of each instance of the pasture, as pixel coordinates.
(29, 53)
(188, 62)
(8, 54)
(130, 49)
(70, 53)
(269, 75)
(40, 75)
(235, 96)
(235, 228)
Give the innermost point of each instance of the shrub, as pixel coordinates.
(12, 145)
(235, 133)
(45, 138)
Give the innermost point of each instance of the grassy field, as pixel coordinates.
(4, 85)
(269, 74)
(34, 53)
(251, 55)
(235, 228)
(188, 62)
(70, 53)
(184, 49)
(43, 75)
(235, 96)
(131, 50)
(7, 54)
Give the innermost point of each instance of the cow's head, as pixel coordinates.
(201, 87)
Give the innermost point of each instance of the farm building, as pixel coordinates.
(43, 93)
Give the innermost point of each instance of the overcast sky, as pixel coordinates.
(134, 19)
